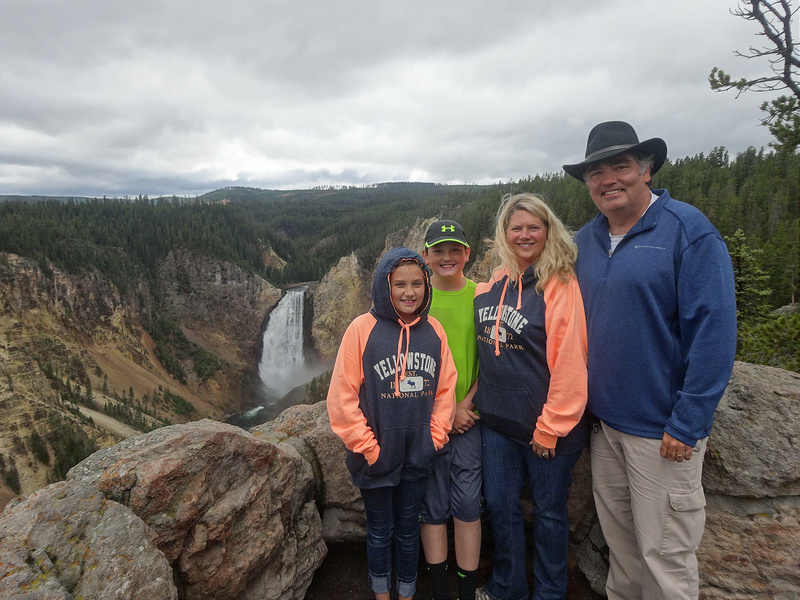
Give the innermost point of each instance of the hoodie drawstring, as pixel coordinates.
(500, 312)
(398, 376)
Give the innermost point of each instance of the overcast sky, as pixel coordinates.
(162, 97)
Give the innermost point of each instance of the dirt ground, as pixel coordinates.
(343, 576)
(108, 423)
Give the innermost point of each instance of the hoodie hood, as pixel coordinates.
(381, 292)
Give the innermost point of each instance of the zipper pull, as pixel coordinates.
(610, 252)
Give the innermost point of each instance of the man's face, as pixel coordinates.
(618, 187)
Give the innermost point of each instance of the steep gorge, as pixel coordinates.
(65, 337)
(71, 344)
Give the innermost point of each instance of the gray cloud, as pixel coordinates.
(180, 97)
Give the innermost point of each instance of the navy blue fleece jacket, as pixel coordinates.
(661, 320)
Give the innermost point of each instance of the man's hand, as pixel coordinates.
(675, 450)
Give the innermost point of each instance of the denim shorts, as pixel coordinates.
(454, 485)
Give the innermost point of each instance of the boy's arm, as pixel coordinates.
(444, 404)
(347, 420)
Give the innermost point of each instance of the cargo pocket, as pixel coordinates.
(684, 522)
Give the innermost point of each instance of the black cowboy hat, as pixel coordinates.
(615, 137)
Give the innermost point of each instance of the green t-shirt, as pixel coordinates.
(455, 312)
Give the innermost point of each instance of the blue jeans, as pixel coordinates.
(393, 533)
(505, 463)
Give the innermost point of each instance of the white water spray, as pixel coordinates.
(282, 364)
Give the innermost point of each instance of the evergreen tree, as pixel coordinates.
(782, 115)
(752, 297)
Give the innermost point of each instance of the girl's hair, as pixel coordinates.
(558, 256)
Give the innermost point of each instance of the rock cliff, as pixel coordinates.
(244, 515)
(344, 292)
(750, 476)
(222, 307)
(68, 541)
(197, 511)
(342, 295)
(70, 344)
(749, 549)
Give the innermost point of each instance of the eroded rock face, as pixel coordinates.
(234, 515)
(344, 292)
(340, 297)
(308, 430)
(68, 541)
(412, 237)
(204, 293)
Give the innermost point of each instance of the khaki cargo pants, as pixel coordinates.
(652, 512)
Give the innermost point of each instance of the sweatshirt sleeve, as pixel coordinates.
(707, 314)
(344, 412)
(565, 327)
(444, 404)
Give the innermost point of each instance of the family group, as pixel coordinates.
(451, 395)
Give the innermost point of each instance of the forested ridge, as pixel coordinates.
(309, 229)
(753, 199)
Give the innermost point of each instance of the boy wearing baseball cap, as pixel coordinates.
(454, 485)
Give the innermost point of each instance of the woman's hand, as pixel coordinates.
(541, 451)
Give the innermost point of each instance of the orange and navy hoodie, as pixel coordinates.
(392, 392)
(532, 353)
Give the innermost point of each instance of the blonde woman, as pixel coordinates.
(531, 394)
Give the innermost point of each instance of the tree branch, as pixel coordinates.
(775, 19)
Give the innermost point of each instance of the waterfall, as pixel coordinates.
(282, 365)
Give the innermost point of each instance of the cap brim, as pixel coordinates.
(462, 242)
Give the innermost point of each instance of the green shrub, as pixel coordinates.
(774, 341)
(39, 448)
(171, 364)
(69, 442)
(12, 477)
(317, 388)
(205, 363)
(180, 405)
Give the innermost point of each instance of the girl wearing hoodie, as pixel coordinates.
(531, 395)
(392, 402)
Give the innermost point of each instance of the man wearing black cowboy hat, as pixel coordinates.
(657, 285)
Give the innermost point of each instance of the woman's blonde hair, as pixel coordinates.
(558, 256)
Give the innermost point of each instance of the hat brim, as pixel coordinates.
(655, 146)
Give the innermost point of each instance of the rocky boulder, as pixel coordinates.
(307, 429)
(753, 449)
(234, 515)
(751, 477)
(68, 541)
